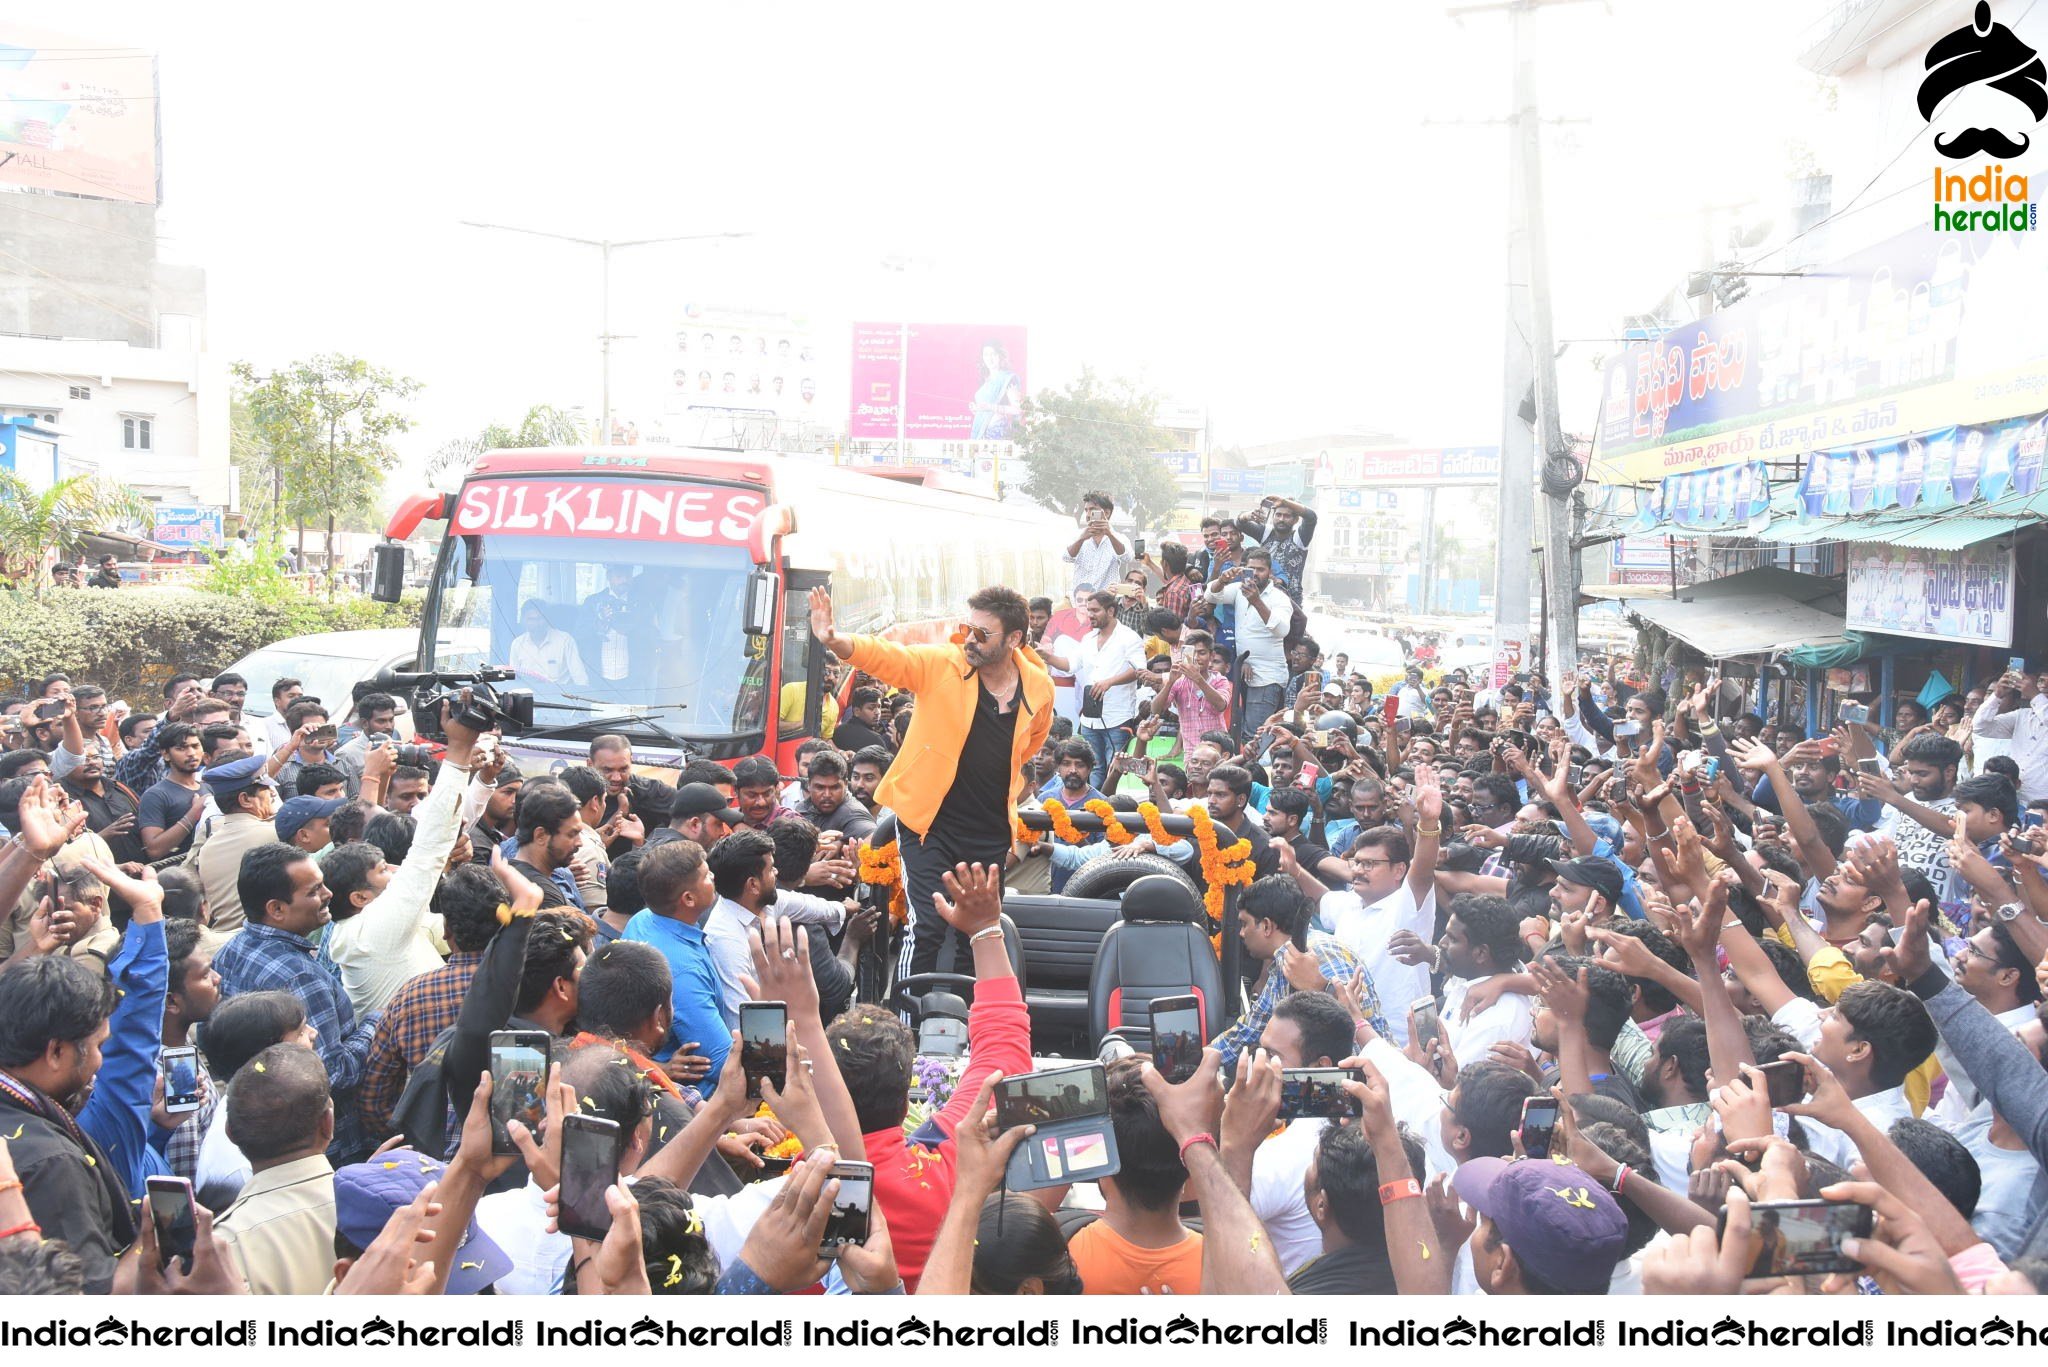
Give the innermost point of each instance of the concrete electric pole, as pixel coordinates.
(1530, 443)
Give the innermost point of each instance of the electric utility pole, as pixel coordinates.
(1529, 442)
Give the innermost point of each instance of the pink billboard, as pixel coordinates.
(964, 382)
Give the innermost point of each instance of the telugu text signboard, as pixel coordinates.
(1411, 465)
(1964, 595)
(186, 526)
(77, 117)
(1922, 331)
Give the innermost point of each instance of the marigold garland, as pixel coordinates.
(1112, 829)
(1221, 868)
(883, 867)
(1062, 825)
(1157, 828)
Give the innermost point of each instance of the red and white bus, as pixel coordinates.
(662, 595)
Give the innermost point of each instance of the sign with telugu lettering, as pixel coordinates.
(183, 526)
(1419, 465)
(608, 509)
(1964, 595)
(1918, 332)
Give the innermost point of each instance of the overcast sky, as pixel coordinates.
(1272, 212)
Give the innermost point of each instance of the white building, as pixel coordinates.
(104, 341)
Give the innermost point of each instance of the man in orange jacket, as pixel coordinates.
(984, 706)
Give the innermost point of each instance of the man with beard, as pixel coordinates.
(171, 808)
(865, 775)
(743, 871)
(984, 706)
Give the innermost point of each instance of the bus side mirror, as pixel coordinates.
(387, 571)
(761, 588)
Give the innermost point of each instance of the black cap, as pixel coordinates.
(701, 799)
(1591, 871)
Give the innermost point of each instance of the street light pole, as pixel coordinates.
(605, 247)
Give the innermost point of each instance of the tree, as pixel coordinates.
(1098, 435)
(59, 518)
(543, 425)
(326, 426)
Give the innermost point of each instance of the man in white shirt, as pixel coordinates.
(1306, 1030)
(1871, 1038)
(381, 937)
(1099, 558)
(1106, 663)
(1992, 968)
(2016, 711)
(1481, 940)
(743, 871)
(545, 653)
(1392, 890)
(1264, 618)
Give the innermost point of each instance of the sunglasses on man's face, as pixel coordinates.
(978, 635)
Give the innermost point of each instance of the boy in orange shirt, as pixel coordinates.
(1139, 1247)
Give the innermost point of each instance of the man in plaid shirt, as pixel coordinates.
(1273, 919)
(286, 902)
(428, 1005)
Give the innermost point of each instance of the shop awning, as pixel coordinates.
(1759, 612)
(1947, 530)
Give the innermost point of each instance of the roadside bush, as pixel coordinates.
(130, 640)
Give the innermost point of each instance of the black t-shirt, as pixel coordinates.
(163, 806)
(858, 735)
(1310, 856)
(550, 894)
(1355, 1270)
(103, 809)
(975, 817)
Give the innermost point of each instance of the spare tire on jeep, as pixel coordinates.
(1107, 878)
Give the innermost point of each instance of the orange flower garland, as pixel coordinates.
(1156, 827)
(1112, 829)
(1220, 867)
(883, 867)
(1062, 825)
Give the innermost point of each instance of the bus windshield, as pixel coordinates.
(602, 629)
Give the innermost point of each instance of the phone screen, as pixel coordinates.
(1048, 1097)
(848, 1223)
(181, 1079)
(2032, 820)
(519, 1071)
(764, 1044)
(1539, 1126)
(322, 738)
(1318, 1093)
(1802, 1237)
(170, 1208)
(51, 710)
(1428, 1025)
(590, 1165)
(1176, 1037)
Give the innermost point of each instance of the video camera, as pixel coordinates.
(509, 710)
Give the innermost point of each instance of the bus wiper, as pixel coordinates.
(606, 723)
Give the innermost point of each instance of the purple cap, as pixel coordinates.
(368, 1194)
(1559, 1222)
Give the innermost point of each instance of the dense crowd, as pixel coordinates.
(1606, 979)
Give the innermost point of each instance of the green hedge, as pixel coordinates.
(129, 641)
